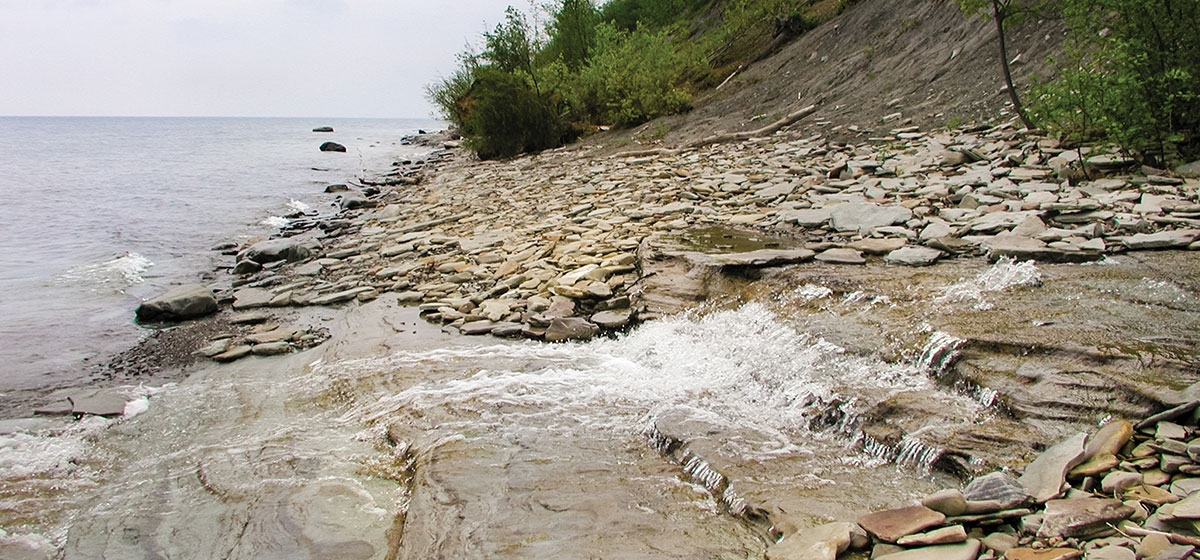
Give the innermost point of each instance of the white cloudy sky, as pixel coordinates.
(310, 58)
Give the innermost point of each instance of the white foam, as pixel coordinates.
(297, 206)
(275, 222)
(741, 370)
(120, 272)
(1003, 275)
(24, 455)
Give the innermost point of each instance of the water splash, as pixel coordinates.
(1005, 274)
(117, 273)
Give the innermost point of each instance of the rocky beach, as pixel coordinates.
(910, 247)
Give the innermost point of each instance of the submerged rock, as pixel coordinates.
(332, 147)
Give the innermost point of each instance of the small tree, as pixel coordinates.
(1003, 13)
(573, 33)
(510, 48)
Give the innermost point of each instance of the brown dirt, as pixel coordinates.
(921, 58)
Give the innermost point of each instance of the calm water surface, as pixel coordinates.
(99, 213)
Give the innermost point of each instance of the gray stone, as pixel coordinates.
(759, 258)
(213, 348)
(999, 488)
(476, 328)
(271, 348)
(841, 256)
(818, 543)
(252, 298)
(343, 296)
(354, 200)
(890, 525)
(944, 535)
(287, 249)
(482, 241)
(570, 328)
(1000, 542)
(1188, 508)
(913, 256)
(508, 329)
(1025, 248)
(950, 502)
(873, 246)
(234, 353)
(1111, 552)
(1085, 518)
(863, 217)
(1162, 240)
(1044, 477)
(250, 318)
(332, 147)
(1191, 170)
(614, 319)
(182, 302)
(999, 221)
(97, 403)
(809, 217)
(1185, 487)
(963, 551)
(1120, 481)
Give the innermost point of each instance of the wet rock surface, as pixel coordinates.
(565, 247)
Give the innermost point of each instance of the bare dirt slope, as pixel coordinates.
(921, 58)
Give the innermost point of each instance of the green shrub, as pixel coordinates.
(1133, 77)
(502, 116)
(632, 78)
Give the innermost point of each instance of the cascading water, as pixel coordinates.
(479, 448)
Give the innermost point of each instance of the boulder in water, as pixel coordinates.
(323, 129)
(181, 302)
(332, 147)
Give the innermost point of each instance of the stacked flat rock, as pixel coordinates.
(1124, 492)
(565, 234)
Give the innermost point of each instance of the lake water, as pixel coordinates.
(100, 213)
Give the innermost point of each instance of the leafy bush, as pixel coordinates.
(502, 116)
(632, 77)
(627, 15)
(1133, 77)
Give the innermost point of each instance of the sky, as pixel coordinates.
(271, 58)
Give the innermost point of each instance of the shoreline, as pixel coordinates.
(609, 256)
(544, 235)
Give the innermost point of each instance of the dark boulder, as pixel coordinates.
(182, 302)
(285, 249)
(332, 147)
(323, 129)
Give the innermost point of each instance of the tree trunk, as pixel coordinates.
(999, 12)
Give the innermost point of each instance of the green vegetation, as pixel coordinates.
(622, 64)
(1131, 76)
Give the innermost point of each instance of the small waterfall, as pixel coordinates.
(939, 354)
(909, 453)
(698, 470)
(938, 358)
(912, 453)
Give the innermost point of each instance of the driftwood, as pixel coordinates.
(789, 119)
